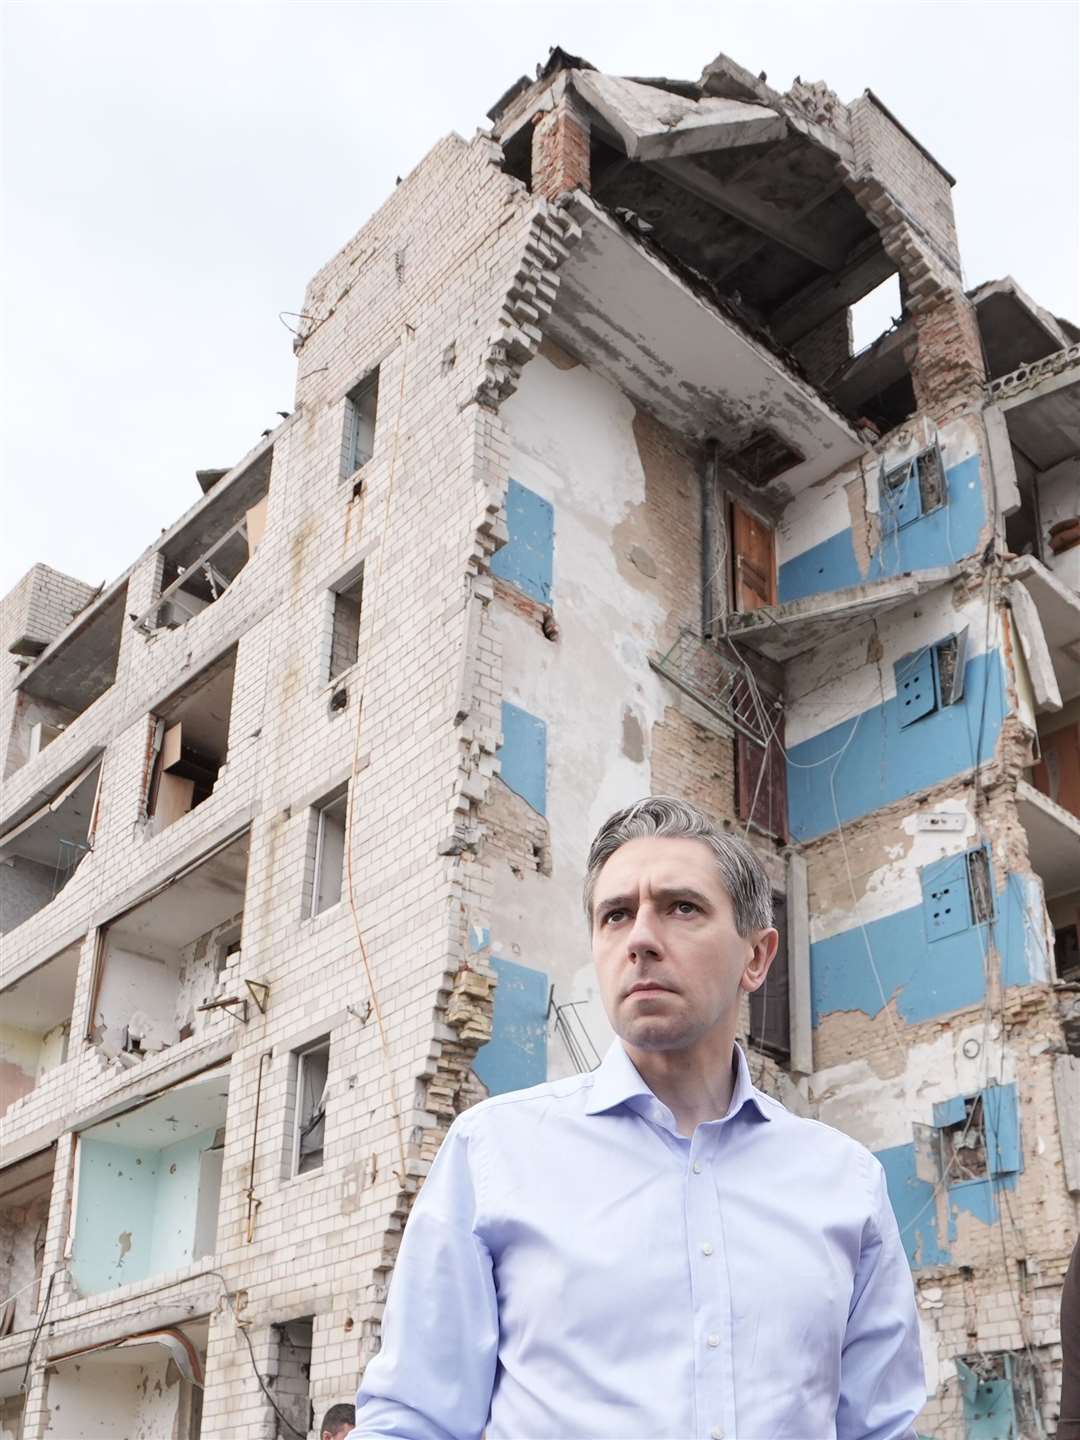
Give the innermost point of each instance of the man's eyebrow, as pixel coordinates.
(665, 893)
(683, 892)
(614, 902)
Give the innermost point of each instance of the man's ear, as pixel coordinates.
(762, 956)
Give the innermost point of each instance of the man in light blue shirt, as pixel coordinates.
(655, 1249)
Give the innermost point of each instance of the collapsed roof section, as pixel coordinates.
(779, 211)
(789, 203)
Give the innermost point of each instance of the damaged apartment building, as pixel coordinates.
(584, 495)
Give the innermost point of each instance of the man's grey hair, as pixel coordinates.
(741, 872)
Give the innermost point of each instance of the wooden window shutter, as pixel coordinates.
(770, 807)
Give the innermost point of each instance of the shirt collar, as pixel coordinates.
(618, 1081)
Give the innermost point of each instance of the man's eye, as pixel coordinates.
(611, 915)
(685, 907)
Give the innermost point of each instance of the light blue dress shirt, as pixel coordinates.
(574, 1269)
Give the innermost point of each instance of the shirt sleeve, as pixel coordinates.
(433, 1377)
(882, 1387)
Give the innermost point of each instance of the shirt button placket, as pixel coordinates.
(710, 1289)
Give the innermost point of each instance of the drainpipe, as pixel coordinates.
(709, 548)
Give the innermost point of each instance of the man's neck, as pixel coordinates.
(696, 1084)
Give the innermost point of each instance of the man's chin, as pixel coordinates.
(656, 1034)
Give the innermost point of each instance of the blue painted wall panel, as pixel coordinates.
(523, 756)
(1001, 1117)
(828, 566)
(885, 761)
(944, 535)
(526, 560)
(928, 980)
(516, 1055)
(913, 1205)
(938, 538)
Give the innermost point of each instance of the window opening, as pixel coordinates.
(345, 629)
(35, 1025)
(203, 558)
(39, 856)
(190, 744)
(292, 1379)
(158, 963)
(963, 1144)
(361, 410)
(932, 678)
(913, 489)
(312, 1066)
(980, 885)
(329, 852)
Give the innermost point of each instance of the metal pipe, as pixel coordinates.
(253, 1204)
(708, 539)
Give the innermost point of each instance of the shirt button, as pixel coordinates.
(713, 1341)
(706, 1249)
(697, 1167)
(716, 1433)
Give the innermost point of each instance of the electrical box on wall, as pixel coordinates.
(948, 824)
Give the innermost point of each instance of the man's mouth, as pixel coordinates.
(649, 987)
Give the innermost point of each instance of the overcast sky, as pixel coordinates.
(174, 173)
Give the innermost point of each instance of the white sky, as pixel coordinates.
(174, 173)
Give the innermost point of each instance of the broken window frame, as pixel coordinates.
(351, 581)
(309, 1113)
(923, 477)
(948, 659)
(978, 889)
(360, 427)
(150, 619)
(330, 803)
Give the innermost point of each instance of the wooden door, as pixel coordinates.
(753, 549)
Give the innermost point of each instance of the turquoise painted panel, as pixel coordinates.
(176, 1198)
(1001, 1117)
(946, 901)
(901, 503)
(944, 535)
(913, 1205)
(523, 756)
(526, 560)
(927, 980)
(883, 761)
(916, 695)
(938, 538)
(831, 565)
(516, 1055)
(114, 1218)
(949, 1112)
(975, 1197)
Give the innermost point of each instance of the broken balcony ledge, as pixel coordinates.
(179, 1295)
(635, 317)
(1053, 835)
(113, 1094)
(1058, 607)
(781, 632)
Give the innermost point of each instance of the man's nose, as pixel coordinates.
(643, 941)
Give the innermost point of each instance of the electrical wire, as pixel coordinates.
(373, 991)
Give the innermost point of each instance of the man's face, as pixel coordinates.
(339, 1432)
(669, 959)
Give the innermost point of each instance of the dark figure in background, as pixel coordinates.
(1069, 1421)
(337, 1422)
